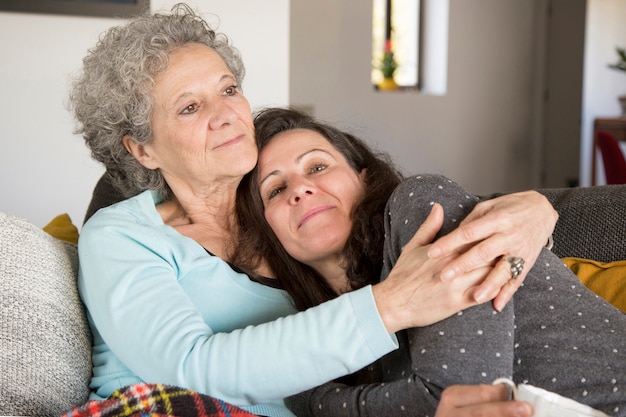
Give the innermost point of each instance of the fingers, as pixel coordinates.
(480, 400)
(482, 253)
(514, 225)
(524, 219)
(464, 395)
(499, 409)
(506, 293)
(491, 286)
(476, 227)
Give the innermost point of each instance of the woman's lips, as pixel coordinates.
(312, 213)
(230, 142)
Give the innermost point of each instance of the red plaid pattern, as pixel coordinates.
(157, 400)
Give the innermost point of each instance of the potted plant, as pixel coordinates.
(388, 66)
(620, 65)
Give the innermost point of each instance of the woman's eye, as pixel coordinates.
(191, 108)
(317, 168)
(231, 91)
(274, 192)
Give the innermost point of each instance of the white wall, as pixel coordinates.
(601, 85)
(45, 169)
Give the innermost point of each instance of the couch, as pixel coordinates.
(45, 342)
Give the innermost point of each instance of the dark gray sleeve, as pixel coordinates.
(475, 346)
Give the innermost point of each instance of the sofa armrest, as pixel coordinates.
(45, 341)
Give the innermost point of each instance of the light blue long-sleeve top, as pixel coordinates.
(163, 310)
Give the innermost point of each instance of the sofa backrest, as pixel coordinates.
(45, 342)
(592, 222)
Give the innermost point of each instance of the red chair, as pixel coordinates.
(612, 157)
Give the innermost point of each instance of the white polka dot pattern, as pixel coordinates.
(554, 334)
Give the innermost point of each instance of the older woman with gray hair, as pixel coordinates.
(159, 103)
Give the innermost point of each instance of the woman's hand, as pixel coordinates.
(516, 225)
(480, 400)
(413, 294)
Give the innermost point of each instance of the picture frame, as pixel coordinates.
(96, 8)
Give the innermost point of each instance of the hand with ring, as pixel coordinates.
(483, 400)
(517, 266)
(514, 226)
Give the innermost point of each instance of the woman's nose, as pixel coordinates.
(221, 114)
(301, 191)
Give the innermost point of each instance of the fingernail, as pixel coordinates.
(480, 296)
(434, 252)
(523, 409)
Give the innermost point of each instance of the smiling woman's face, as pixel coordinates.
(309, 191)
(203, 132)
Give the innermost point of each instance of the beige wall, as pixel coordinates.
(491, 130)
(479, 133)
(45, 170)
(486, 132)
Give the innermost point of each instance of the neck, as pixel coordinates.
(207, 217)
(334, 275)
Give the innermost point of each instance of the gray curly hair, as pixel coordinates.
(111, 97)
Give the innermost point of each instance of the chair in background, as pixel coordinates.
(612, 158)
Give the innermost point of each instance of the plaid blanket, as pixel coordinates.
(157, 400)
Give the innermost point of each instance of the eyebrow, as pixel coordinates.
(298, 159)
(176, 102)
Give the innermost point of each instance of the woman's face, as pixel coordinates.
(309, 191)
(202, 124)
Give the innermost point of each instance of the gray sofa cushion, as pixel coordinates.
(45, 343)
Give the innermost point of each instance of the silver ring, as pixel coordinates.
(517, 266)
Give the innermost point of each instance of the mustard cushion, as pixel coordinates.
(608, 280)
(61, 227)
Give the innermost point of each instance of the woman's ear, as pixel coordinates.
(362, 174)
(140, 152)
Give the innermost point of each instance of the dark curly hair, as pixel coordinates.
(364, 248)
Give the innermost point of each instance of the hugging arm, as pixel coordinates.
(474, 346)
(142, 314)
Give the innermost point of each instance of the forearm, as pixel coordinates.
(470, 348)
(408, 397)
(202, 338)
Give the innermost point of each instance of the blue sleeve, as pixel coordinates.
(132, 279)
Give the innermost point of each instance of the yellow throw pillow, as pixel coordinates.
(608, 280)
(61, 227)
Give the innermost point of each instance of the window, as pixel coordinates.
(416, 33)
(396, 25)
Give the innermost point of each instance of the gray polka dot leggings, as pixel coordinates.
(554, 333)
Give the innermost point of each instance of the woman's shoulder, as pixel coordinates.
(134, 213)
(423, 190)
(427, 184)
(140, 208)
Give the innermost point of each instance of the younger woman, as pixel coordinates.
(315, 204)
